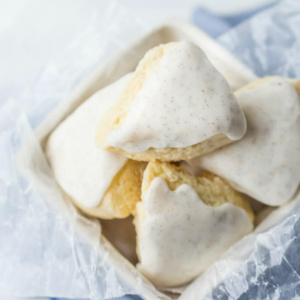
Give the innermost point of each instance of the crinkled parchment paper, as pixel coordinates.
(48, 249)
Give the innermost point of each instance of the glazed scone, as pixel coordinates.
(265, 163)
(176, 106)
(185, 223)
(260, 81)
(103, 184)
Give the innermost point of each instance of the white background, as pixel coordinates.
(33, 31)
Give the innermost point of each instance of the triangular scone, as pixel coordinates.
(176, 106)
(103, 184)
(265, 163)
(185, 223)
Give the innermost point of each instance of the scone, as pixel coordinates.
(176, 106)
(265, 163)
(185, 223)
(103, 184)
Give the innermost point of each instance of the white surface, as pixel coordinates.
(32, 32)
(157, 10)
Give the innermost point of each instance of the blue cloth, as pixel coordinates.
(215, 26)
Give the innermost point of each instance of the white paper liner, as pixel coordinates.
(48, 249)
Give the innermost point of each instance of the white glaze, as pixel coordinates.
(82, 169)
(180, 236)
(184, 102)
(265, 164)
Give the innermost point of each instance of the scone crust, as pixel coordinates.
(258, 82)
(212, 190)
(119, 201)
(176, 154)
